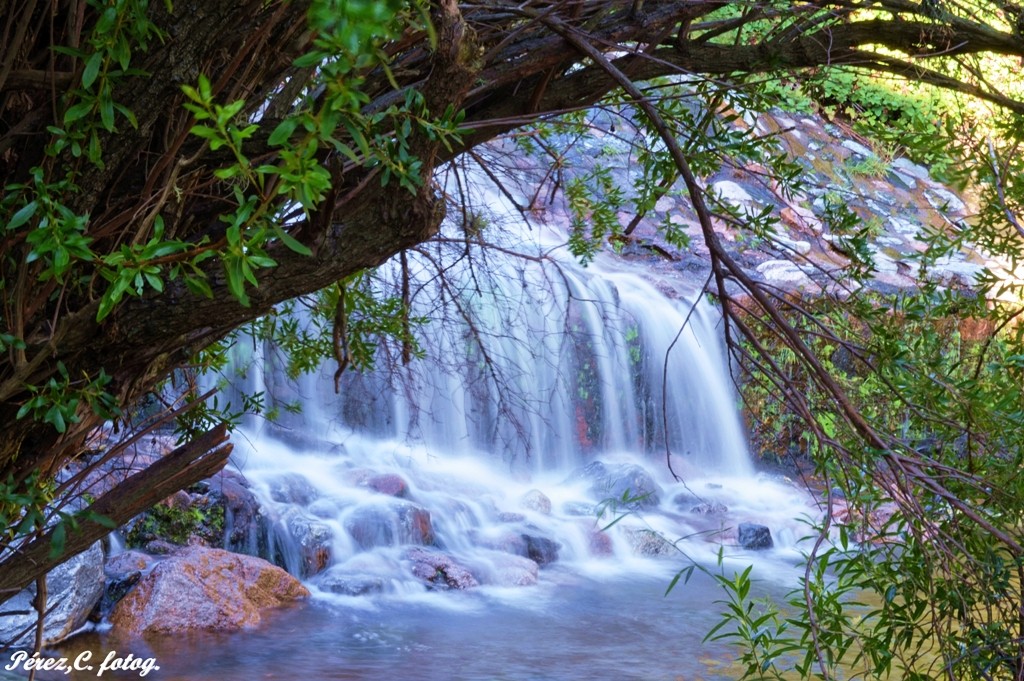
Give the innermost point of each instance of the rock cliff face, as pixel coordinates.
(200, 588)
(897, 202)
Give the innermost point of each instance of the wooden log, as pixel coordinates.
(184, 466)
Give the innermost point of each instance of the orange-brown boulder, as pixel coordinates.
(201, 588)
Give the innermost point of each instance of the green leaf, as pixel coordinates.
(22, 215)
(92, 69)
(58, 540)
(292, 243)
(77, 112)
(283, 131)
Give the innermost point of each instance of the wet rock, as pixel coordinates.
(339, 581)
(537, 501)
(686, 500)
(127, 562)
(619, 480)
(180, 500)
(439, 571)
(754, 537)
(245, 518)
(507, 517)
(710, 508)
(312, 540)
(510, 570)
(116, 589)
(578, 508)
(159, 547)
(389, 484)
(399, 522)
(599, 543)
(507, 541)
(646, 542)
(204, 589)
(541, 550)
(73, 590)
(292, 488)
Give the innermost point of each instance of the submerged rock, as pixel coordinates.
(73, 590)
(754, 537)
(629, 484)
(204, 589)
(245, 519)
(390, 524)
(341, 581)
(127, 562)
(292, 488)
(312, 539)
(541, 550)
(510, 570)
(440, 570)
(646, 542)
(710, 508)
(537, 501)
(389, 484)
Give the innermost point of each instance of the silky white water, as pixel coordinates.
(549, 395)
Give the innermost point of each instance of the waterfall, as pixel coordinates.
(549, 401)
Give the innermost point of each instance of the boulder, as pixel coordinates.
(754, 537)
(619, 480)
(73, 590)
(439, 571)
(204, 589)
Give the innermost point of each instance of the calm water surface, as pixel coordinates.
(569, 627)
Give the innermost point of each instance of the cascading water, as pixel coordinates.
(502, 508)
(547, 404)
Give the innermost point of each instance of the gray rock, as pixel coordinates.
(731, 192)
(908, 167)
(858, 148)
(73, 590)
(755, 537)
(645, 542)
